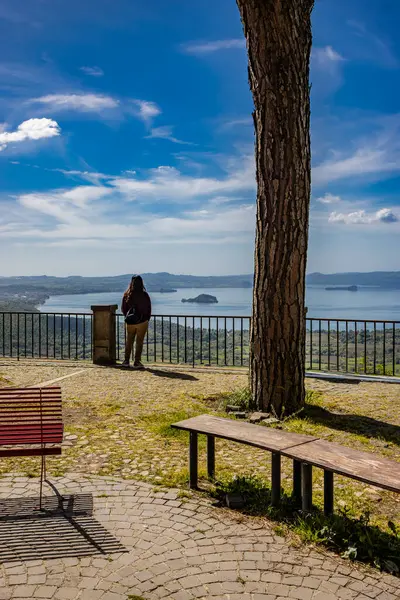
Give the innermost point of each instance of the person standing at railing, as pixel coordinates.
(136, 308)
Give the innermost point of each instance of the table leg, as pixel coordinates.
(211, 456)
(306, 487)
(193, 459)
(276, 478)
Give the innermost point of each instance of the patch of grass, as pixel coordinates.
(4, 381)
(183, 494)
(160, 424)
(354, 538)
(241, 398)
(134, 597)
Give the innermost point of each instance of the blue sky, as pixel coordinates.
(126, 140)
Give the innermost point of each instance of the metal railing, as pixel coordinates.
(337, 345)
(194, 339)
(353, 346)
(46, 335)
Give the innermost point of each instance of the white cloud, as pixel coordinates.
(233, 123)
(364, 161)
(326, 71)
(146, 111)
(329, 199)
(107, 212)
(32, 129)
(199, 48)
(361, 217)
(73, 206)
(326, 55)
(167, 183)
(91, 176)
(93, 71)
(79, 102)
(166, 133)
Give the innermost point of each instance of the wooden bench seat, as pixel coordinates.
(305, 451)
(31, 423)
(355, 464)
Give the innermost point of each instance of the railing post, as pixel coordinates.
(104, 334)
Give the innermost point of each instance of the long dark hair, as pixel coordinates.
(136, 285)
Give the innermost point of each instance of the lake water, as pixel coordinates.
(364, 304)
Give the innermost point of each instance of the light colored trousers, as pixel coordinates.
(137, 332)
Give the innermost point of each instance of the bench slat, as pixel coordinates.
(245, 433)
(15, 452)
(363, 466)
(30, 416)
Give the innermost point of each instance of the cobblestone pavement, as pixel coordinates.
(140, 543)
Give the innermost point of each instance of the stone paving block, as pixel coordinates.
(215, 589)
(323, 596)
(88, 583)
(292, 580)
(277, 589)
(112, 596)
(67, 593)
(272, 577)
(311, 582)
(23, 591)
(301, 593)
(346, 594)
(181, 595)
(91, 595)
(17, 579)
(45, 591)
(250, 575)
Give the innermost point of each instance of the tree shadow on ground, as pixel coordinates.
(358, 424)
(172, 374)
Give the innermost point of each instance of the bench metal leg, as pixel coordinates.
(193, 459)
(306, 474)
(211, 456)
(297, 481)
(328, 493)
(276, 479)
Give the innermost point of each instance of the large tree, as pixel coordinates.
(278, 34)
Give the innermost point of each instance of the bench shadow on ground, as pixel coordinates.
(64, 528)
(358, 424)
(339, 532)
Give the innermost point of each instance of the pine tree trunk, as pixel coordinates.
(278, 34)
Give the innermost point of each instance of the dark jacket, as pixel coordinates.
(141, 302)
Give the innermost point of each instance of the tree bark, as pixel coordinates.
(278, 34)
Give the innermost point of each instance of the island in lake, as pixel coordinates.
(202, 299)
(346, 288)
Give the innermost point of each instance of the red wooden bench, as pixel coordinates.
(31, 424)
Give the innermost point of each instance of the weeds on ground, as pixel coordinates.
(352, 538)
(241, 398)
